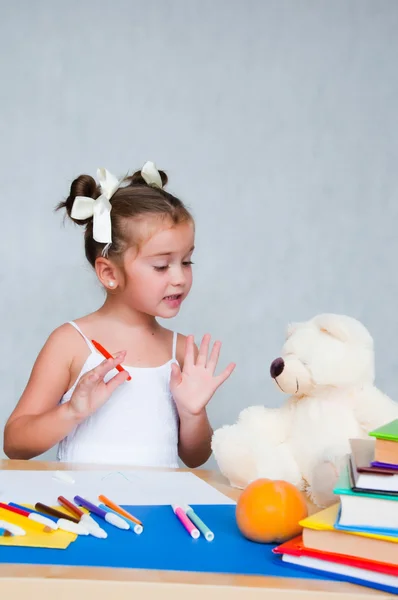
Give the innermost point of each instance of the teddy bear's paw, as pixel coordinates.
(233, 454)
(264, 424)
(321, 498)
(336, 455)
(324, 479)
(278, 462)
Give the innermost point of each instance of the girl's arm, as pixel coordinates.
(39, 422)
(192, 386)
(194, 443)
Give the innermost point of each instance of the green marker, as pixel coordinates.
(209, 535)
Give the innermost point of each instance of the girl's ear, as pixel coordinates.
(107, 273)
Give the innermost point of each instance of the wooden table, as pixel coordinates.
(75, 583)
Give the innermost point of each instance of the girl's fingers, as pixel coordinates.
(87, 382)
(189, 352)
(93, 377)
(225, 374)
(108, 364)
(176, 376)
(113, 383)
(213, 359)
(203, 351)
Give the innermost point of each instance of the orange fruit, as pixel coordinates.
(270, 510)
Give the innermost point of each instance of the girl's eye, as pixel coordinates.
(186, 263)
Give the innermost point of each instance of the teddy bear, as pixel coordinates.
(327, 367)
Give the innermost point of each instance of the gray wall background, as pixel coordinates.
(276, 121)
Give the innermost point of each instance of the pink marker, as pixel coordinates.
(192, 530)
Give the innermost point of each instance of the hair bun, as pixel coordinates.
(84, 185)
(137, 178)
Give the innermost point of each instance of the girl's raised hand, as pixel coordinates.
(194, 386)
(92, 392)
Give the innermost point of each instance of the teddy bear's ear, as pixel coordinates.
(343, 328)
(290, 329)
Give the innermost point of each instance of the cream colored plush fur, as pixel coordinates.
(328, 371)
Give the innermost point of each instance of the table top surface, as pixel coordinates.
(319, 588)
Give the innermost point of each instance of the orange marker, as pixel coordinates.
(107, 355)
(118, 509)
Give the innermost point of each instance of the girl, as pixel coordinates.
(139, 239)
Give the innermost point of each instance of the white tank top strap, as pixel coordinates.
(175, 335)
(89, 344)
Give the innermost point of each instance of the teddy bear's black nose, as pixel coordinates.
(277, 367)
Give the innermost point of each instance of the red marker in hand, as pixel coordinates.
(105, 353)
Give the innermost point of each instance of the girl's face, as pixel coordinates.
(158, 278)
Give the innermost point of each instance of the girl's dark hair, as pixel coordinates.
(135, 199)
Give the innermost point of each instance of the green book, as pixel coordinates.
(344, 488)
(362, 511)
(386, 432)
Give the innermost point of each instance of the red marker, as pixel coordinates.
(32, 515)
(105, 353)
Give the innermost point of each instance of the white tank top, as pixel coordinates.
(138, 425)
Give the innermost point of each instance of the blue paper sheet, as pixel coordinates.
(166, 545)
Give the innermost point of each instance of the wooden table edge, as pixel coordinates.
(18, 579)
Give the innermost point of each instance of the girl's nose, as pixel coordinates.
(177, 276)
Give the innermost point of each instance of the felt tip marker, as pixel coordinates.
(192, 530)
(13, 529)
(138, 529)
(64, 477)
(64, 521)
(111, 518)
(30, 514)
(88, 522)
(209, 535)
(118, 509)
(106, 354)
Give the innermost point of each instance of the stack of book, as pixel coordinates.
(356, 539)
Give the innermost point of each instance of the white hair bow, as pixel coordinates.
(100, 208)
(151, 175)
(85, 207)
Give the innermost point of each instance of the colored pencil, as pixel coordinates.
(105, 353)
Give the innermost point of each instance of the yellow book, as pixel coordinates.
(320, 534)
(325, 519)
(35, 536)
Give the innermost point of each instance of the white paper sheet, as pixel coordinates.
(129, 487)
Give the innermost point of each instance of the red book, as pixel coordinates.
(295, 547)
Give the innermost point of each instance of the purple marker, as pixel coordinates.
(104, 514)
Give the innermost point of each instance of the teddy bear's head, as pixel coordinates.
(329, 351)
